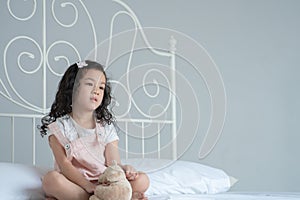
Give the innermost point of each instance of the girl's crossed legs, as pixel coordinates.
(56, 183)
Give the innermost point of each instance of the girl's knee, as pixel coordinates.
(145, 181)
(141, 183)
(50, 180)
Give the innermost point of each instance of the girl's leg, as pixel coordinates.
(57, 186)
(139, 186)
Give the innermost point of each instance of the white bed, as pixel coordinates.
(180, 180)
(170, 178)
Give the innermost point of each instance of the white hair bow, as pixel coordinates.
(81, 64)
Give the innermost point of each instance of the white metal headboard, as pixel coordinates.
(34, 113)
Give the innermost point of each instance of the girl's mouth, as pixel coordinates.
(94, 99)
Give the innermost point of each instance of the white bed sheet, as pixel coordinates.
(229, 196)
(18, 181)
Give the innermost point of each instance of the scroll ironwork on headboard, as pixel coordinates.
(18, 95)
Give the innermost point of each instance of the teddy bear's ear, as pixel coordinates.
(115, 175)
(114, 162)
(115, 166)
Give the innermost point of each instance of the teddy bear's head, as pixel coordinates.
(113, 173)
(112, 185)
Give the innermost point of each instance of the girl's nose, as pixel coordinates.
(96, 92)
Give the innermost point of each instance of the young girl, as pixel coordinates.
(82, 136)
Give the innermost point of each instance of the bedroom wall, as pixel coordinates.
(254, 45)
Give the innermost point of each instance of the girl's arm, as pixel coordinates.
(66, 167)
(112, 153)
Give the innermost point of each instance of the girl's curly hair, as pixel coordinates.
(63, 100)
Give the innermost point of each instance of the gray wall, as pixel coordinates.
(255, 46)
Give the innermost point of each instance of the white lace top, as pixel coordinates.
(71, 130)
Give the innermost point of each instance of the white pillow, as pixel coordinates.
(181, 177)
(18, 181)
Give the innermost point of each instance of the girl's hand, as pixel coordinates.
(130, 172)
(90, 188)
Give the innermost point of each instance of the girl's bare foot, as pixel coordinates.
(138, 196)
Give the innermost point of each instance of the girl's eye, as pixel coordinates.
(89, 84)
(101, 88)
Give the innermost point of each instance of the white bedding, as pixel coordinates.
(229, 196)
(22, 182)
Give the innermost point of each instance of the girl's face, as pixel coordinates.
(90, 92)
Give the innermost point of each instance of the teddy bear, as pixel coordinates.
(113, 185)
